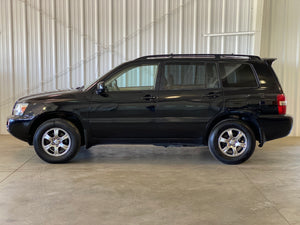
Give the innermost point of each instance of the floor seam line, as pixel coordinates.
(5, 178)
(258, 189)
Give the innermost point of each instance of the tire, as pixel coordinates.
(231, 142)
(56, 141)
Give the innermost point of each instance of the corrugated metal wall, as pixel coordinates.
(281, 39)
(57, 44)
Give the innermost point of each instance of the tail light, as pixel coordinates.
(281, 104)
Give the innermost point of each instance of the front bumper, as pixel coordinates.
(19, 127)
(275, 126)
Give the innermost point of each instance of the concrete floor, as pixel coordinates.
(117, 184)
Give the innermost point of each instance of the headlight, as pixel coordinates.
(20, 109)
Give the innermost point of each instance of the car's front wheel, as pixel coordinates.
(231, 142)
(56, 141)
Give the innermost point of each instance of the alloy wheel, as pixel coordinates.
(56, 142)
(232, 142)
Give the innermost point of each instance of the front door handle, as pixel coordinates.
(149, 98)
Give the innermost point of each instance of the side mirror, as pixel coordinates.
(100, 88)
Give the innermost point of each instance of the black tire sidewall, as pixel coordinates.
(216, 132)
(57, 123)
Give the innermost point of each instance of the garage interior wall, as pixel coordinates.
(281, 39)
(49, 45)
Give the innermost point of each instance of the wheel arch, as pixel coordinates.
(69, 116)
(247, 118)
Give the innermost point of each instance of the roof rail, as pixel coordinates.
(233, 56)
(215, 56)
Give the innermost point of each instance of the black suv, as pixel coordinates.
(227, 102)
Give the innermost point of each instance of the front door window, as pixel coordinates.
(137, 78)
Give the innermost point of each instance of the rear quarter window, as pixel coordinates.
(267, 77)
(237, 75)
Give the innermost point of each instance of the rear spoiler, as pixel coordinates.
(269, 61)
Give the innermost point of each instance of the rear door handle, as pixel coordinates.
(149, 98)
(211, 95)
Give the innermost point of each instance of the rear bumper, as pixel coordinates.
(275, 126)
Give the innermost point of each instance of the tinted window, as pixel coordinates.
(237, 75)
(142, 77)
(189, 76)
(267, 77)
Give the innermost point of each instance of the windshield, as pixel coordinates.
(88, 87)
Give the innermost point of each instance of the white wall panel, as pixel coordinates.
(56, 44)
(7, 74)
(281, 39)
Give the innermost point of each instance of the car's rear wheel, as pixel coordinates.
(56, 141)
(231, 142)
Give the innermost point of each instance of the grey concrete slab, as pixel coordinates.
(276, 173)
(117, 184)
(14, 153)
(4, 175)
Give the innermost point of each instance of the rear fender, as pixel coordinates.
(247, 117)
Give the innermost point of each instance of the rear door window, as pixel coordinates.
(237, 75)
(189, 76)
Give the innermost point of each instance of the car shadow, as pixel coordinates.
(144, 154)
